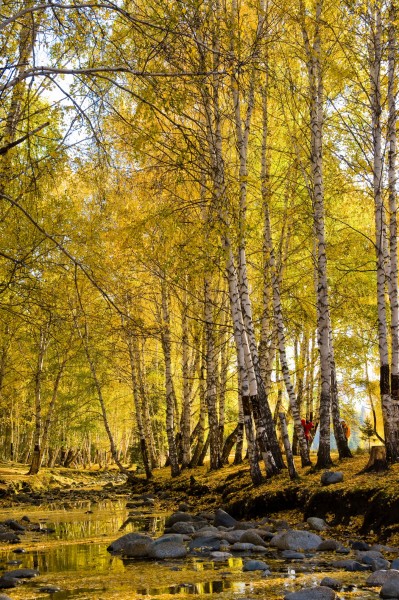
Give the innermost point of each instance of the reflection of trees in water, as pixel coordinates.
(151, 524)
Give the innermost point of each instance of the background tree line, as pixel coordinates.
(198, 229)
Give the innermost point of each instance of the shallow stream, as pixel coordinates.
(74, 558)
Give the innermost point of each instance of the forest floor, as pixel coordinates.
(363, 503)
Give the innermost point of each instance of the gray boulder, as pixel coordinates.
(14, 525)
(234, 536)
(330, 477)
(224, 519)
(9, 582)
(167, 547)
(21, 573)
(138, 548)
(178, 517)
(350, 565)
(292, 554)
(243, 547)
(252, 537)
(180, 527)
(332, 583)
(315, 593)
(390, 588)
(378, 578)
(328, 545)
(296, 540)
(208, 542)
(220, 555)
(255, 565)
(121, 543)
(317, 524)
(9, 537)
(395, 563)
(379, 563)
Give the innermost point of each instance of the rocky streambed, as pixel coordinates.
(130, 547)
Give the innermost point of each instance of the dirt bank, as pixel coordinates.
(366, 503)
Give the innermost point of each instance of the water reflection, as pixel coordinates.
(209, 587)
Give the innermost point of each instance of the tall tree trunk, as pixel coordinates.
(169, 387)
(278, 318)
(211, 380)
(186, 409)
(316, 93)
(393, 227)
(37, 434)
(84, 336)
(134, 358)
(375, 57)
(340, 438)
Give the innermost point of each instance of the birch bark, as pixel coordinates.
(37, 434)
(316, 94)
(169, 387)
(375, 60)
(211, 378)
(393, 209)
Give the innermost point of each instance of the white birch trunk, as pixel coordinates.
(375, 57)
(169, 388)
(393, 227)
(314, 67)
(211, 379)
(186, 409)
(37, 433)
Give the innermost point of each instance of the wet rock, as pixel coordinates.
(328, 545)
(350, 565)
(255, 565)
(167, 548)
(209, 542)
(223, 518)
(390, 588)
(291, 554)
(252, 537)
(379, 563)
(9, 537)
(378, 578)
(395, 563)
(315, 593)
(330, 477)
(14, 525)
(178, 517)
(121, 543)
(19, 551)
(332, 583)
(138, 548)
(265, 534)
(368, 556)
(221, 555)
(317, 524)
(210, 530)
(48, 589)
(343, 550)
(21, 574)
(242, 547)
(232, 536)
(359, 545)
(180, 527)
(296, 540)
(9, 582)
